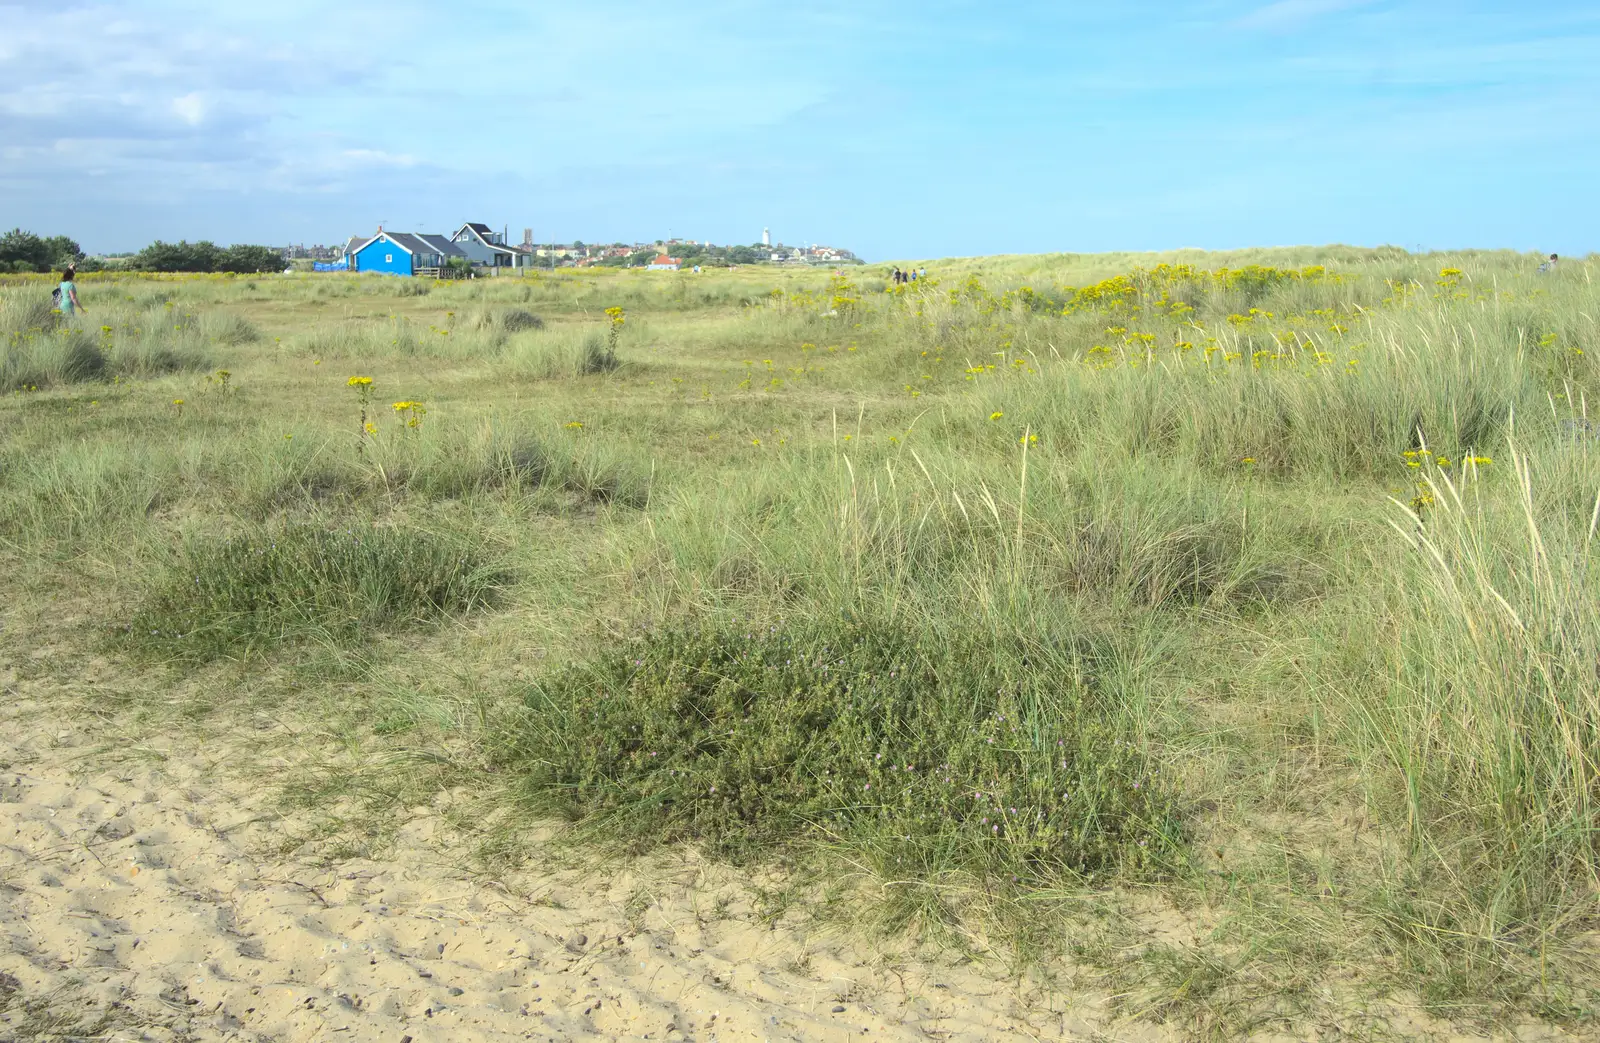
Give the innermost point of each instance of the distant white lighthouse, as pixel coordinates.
(766, 237)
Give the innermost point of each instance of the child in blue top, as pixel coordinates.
(68, 300)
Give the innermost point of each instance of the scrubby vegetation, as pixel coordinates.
(1042, 599)
(259, 589)
(940, 757)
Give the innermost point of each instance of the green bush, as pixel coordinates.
(599, 356)
(271, 586)
(950, 753)
(517, 320)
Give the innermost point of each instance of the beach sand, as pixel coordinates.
(141, 898)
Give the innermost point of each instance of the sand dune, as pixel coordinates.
(141, 905)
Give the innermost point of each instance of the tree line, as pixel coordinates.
(22, 251)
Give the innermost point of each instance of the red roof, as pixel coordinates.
(664, 259)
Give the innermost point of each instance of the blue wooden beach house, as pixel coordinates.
(404, 253)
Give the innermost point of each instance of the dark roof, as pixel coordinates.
(415, 243)
(481, 229)
(441, 244)
(408, 242)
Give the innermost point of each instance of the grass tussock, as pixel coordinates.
(245, 595)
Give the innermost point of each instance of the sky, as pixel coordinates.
(913, 129)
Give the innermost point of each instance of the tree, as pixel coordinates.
(178, 257)
(206, 256)
(24, 252)
(250, 259)
(63, 251)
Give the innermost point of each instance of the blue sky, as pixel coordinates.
(921, 128)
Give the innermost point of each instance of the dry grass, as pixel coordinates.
(1366, 687)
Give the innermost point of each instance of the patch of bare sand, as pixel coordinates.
(142, 904)
(141, 899)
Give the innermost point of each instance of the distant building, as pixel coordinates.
(403, 253)
(484, 246)
(301, 252)
(663, 263)
(766, 237)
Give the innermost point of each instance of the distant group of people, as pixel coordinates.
(912, 275)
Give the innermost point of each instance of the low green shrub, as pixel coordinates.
(271, 586)
(225, 328)
(517, 320)
(599, 356)
(947, 752)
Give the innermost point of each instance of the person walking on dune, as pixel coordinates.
(1549, 266)
(67, 294)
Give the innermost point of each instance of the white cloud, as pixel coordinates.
(1289, 15)
(372, 155)
(191, 108)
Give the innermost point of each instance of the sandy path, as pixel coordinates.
(137, 904)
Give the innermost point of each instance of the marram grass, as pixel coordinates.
(254, 591)
(1289, 550)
